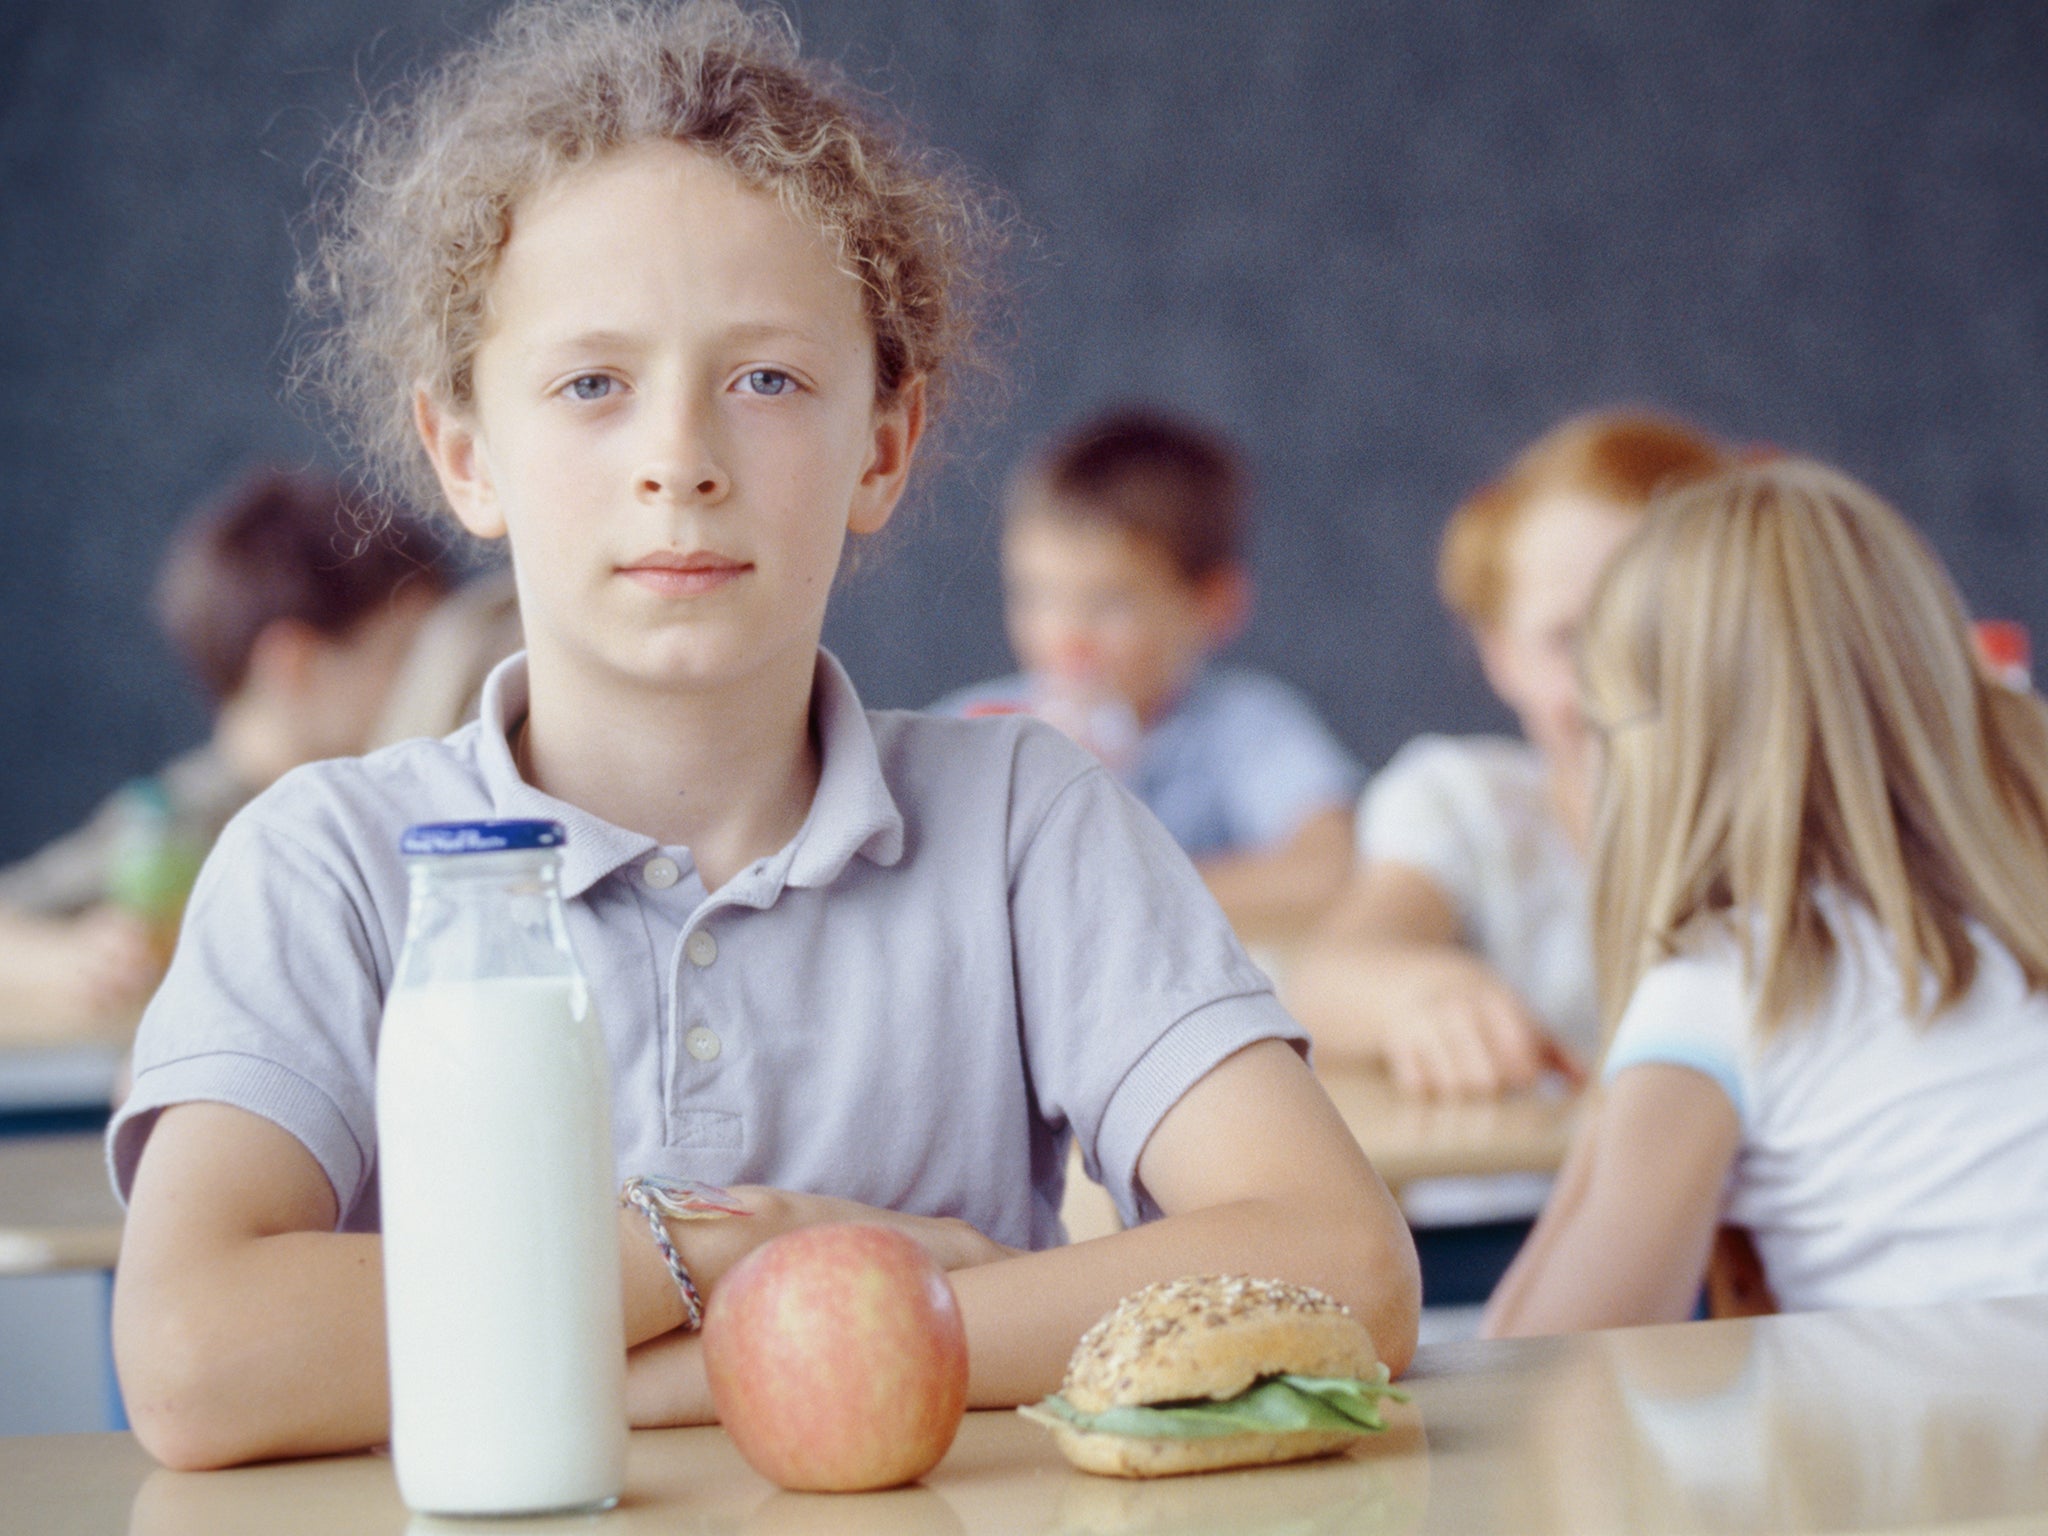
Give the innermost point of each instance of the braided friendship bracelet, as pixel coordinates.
(686, 1200)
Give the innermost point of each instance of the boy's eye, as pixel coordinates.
(769, 381)
(591, 386)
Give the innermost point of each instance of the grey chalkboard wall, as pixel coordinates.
(1382, 243)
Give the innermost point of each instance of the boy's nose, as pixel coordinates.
(677, 481)
(683, 462)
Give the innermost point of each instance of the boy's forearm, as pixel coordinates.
(1024, 1315)
(276, 1347)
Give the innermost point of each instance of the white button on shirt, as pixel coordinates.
(976, 947)
(661, 873)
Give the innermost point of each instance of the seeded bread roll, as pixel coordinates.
(1129, 1456)
(1212, 1336)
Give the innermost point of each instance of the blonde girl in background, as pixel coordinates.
(1821, 923)
(633, 289)
(1458, 956)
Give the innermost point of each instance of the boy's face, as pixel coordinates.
(675, 424)
(1093, 609)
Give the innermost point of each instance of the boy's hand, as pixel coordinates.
(1454, 1028)
(665, 1381)
(711, 1248)
(952, 1243)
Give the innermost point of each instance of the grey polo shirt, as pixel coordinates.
(976, 946)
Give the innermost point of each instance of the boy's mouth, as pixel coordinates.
(670, 574)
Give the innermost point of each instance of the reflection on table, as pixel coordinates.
(1910, 1419)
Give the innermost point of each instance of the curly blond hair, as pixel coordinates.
(411, 225)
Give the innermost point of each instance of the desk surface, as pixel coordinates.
(56, 1211)
(1919, 1419)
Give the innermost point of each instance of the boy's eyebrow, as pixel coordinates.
(776, 330)
(604, 340)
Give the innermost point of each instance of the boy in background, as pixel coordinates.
(295, 635)
(1123, 574)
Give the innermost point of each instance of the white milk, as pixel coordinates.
(501, 1256)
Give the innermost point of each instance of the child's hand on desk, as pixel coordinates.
(952, 1243)
(1453, 1027)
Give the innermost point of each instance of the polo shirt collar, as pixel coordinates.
(853, 811)
(851, 814)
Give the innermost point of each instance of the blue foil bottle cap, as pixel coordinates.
(434, 839)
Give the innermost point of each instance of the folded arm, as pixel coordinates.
(1256, 1173)
(246, 1327)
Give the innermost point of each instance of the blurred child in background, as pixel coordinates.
(1123, 573)
(295, 635)
(1459, 953)
(1820, 914)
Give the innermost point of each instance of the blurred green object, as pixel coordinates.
(156, 857)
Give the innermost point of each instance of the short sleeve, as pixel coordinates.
(1288, 766)
(1688, 1012)
(1131, 985)
(1432, 808)
(271, 1003)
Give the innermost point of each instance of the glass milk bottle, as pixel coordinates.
(494, 1156)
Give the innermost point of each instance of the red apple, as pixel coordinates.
(837, 1358)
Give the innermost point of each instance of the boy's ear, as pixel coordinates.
(451, 441)
(893, 443)
(1225, 598)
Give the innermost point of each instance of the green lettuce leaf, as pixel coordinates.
(1273, 1404)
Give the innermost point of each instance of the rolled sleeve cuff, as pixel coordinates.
(261, 1087)
(1173, 1064)
(1698, 1057)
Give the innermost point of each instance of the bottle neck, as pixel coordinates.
(476, 916)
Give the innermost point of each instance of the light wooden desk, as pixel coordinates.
(1920, 1419)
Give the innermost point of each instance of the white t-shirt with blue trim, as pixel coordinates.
(1883, 1161)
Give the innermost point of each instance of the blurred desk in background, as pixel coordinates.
(1410, 1139)
(57, 1210)
(46, 1089)
(60, 1231)
(1407, 1139)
